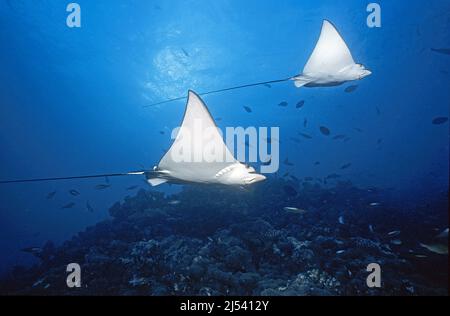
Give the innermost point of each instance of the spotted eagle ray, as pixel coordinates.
(331, 63)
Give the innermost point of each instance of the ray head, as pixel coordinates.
(240, 174)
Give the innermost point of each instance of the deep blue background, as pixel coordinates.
(71, 100)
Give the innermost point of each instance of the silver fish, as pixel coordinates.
(74, 192)
(443, 234)
(440, 249)
(394, 233)
(294, 210)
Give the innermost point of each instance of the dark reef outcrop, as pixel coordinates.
(227, 241)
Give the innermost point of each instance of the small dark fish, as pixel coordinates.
(161, 132)
(440, 120)
(317, 163)
(325, 131)
(445, 51)
(218, 119)
(339, 137)
(185, 52)
(333, 176)
(294, 178)
(32, 250)
(102, 186)
(51, 195)
(346, 166)
(70, 205)
(107, 179)
(378, 110)
(300, 104)
(283, 104)
(89, 207)
(133, 187)
(287, 162)
(351, 89)
(290, 191)
(305, 122)
(305, 135)
(74, 192)
(267, 85)
(248, 109)
(286, 175)
(379, 141)
(358, 129)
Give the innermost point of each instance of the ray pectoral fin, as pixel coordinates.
(198, 133)
(331, 53)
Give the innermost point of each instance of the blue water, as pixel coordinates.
(72, 99)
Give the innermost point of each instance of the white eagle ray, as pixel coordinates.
(331, 62)
(199, 154)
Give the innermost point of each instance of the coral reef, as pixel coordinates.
(224, 241)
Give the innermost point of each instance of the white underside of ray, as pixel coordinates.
(331, 53)
(198, 153)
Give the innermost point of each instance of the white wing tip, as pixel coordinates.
(156, 181)
(192, 93)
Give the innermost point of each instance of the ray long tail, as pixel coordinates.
(141, 172)
(225, 89)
